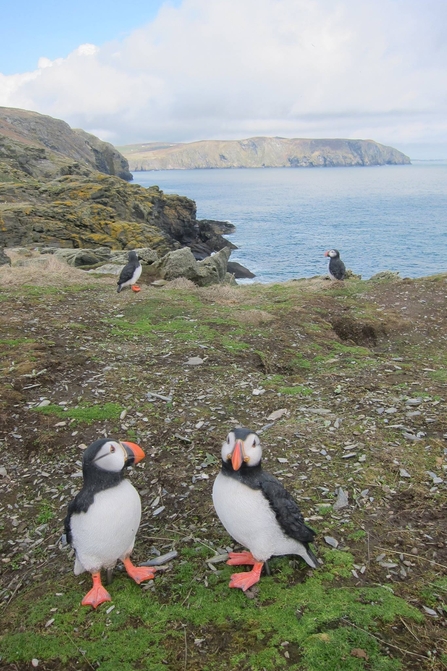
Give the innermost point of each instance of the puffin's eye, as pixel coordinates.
(228, 440)
(112, 448)
(254, 443)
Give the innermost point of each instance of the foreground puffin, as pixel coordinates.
(256, 510)
(131, 271)
(104, 517)
(336, 267)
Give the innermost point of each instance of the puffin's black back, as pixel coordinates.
(129, 268)
(95, 480)
(336, 266)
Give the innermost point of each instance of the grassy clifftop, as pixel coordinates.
(346, 386)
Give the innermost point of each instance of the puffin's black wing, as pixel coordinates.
(80, 504)
(287, 513)
(128, 271)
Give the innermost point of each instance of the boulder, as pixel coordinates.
(4, 258)
(181, 263)
(145, 254)
(100, 255)
(239, 271)
(213, 269)
(83, 257)
(107, 269)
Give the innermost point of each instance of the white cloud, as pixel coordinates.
(235, 68)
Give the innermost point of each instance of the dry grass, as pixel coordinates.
(44, 271)
(254, 317)
(221, 293)
(180, 283)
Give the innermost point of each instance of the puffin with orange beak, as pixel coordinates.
(256, 510)
(104, 517)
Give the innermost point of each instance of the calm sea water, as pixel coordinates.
(380, 218)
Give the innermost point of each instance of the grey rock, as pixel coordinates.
(239, 271)
(107, 269)
(161, 559)
(4, 258)
(342, 499)
(145, 254)
(181, 263)
(83, 257)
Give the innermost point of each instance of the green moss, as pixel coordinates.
(84, 413)
(321, 623)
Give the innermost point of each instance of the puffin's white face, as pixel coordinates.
(333, 253)
(242, 447)
(112, 457)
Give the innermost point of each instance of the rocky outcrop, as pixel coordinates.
(261, 152)
(181, 263)
(42, 147)
(66, 188)
(80, 258)
(78, 211)
(239, 271)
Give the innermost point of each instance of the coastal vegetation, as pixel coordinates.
(344, 384)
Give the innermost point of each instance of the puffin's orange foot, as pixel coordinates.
(139, 573)
(245, 580)
(97, 595)
(241, 558)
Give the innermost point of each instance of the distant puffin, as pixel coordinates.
(336, 267)
(131, 271)
(256, 510)
(104, 517)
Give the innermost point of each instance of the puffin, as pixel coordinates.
(103, 518)
(336, 267)
(131, 271)
(256, 510)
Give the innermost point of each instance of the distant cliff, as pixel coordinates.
(42, 147)
(260, 152)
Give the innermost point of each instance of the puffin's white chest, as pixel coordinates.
(247, 516)
(135, 277)
(106, 532)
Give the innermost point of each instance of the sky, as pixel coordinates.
(187, 70)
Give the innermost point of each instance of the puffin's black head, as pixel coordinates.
(132, 256)
(109, 456)
(241, 448)
(333, 253)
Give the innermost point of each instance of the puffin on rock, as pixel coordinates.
(104, 517)
(131, 271)
(256, 510)
(336, 267)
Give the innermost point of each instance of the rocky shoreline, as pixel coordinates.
(63, 188)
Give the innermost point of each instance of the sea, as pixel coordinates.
(380, 217)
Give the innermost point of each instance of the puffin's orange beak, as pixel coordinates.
(134, 451)
(237, 457)
(326, 253)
